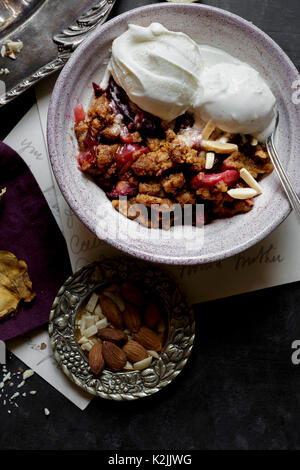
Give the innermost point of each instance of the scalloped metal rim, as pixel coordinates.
(121, 386)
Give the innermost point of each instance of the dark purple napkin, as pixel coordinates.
(29, 230)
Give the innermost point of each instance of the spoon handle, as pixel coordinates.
(285, 181)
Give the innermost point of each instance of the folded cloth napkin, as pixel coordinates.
(29, 230)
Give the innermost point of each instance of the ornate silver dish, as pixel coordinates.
(50, 32)
(122, 385)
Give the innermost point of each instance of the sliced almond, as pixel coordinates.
(89, 320)
(218, 147)
(14, 46)
(210, 160)
(128, 366)
(254, 142)
(153, 354)
(242, 193)
(91, 331)
(98, 312)
(208, 130)
(87, 346)
(82, 326)
(101, 324)
(248, 178)
(141, 365)
(91, 305)
(83, 340)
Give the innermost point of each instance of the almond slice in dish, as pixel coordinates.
(141, 365)
(254, 142)
(83, 340)
(248, 178)
(242, 193)
(98, 312)
(153, 354)
(91, 305)
(210, 160)
(91, 331)
(218, 147)
(208, 130)
(101, 324)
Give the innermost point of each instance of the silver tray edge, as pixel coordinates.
(67, 41)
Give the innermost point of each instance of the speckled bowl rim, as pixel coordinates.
(280, 215)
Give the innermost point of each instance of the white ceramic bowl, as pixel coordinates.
(224, 237)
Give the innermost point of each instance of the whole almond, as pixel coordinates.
(113, 335)
(148, 339)
(152, 315)
(96, 360)
(111, 311)
(115, 358)
(132, 318)
(134, 351)
(132, 294)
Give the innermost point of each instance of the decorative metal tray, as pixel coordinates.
(122, 385)
(50, 31)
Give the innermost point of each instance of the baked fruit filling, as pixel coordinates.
(138, 159)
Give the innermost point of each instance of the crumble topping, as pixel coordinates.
(132, 153)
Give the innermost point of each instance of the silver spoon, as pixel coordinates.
(285, 180)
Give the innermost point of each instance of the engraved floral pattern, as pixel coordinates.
(121, 386)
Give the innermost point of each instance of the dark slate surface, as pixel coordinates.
(238, 391)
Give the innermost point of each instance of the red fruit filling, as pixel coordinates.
(123, 188)
(79, 114)
(127, 154)
(202, 180)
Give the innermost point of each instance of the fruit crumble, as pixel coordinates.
(137, 158)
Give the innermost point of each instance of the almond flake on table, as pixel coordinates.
(15, 395)
(14, 46)
(28, 373)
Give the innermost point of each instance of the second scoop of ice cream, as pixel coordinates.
(237, 99)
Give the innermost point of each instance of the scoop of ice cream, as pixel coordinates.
(159, 69)
(237, 99)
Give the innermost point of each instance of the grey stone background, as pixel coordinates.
(239, 390)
